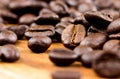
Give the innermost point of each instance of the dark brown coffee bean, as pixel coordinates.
(62, 57)
(114, 27)
(98, 19)
(27, 19)
(21, 7)
(39, 44)
(7, 37)
(107, 64)
(9, 53)
(94, 40)
(2, 27)
(66, 74)
(80, 50)
(109, 45)
(73, 35)
(40, 30)
(86, 58)
(18, 30)
(84, 7)
(46, 16)
(59, 7)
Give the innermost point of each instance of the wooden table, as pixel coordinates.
(38, 66)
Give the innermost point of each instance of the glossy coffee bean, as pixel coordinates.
(94, 40)
(7, 37)
(59, 7)
(107, 64)
(9, 53)
(114, 36)
(40, 30)
(86, 58)
(73, 35)
(46, 16)
(109, 45)
(66, 74)
(98, 19)
(27, 19)
(62, 57)
(72, 3)
(39, 44)
(114, 27)
(18, 30)
(80, 50)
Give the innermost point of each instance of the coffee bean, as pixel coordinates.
(65, 74)
(39, 44)
(62, 57)
(94, 40)
(67, 19)
(109, 45)
(114, 36)
(18, 30)
(72, 3)
(59, 7)
(73, 35)
(46, 16)
(1, 20)
(80, 50)
(27, 19)
(9, 53)
(107, 64)
(7, 37)
(40, 30)
(2, 27)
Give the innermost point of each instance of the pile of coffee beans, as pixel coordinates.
(88, 29)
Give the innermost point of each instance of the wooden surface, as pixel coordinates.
(38, 66)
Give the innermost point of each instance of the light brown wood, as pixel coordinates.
(38, 66)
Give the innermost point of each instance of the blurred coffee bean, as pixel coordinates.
(72, 3)
(98, 19)
(73, 35)
(107, 64)
(67, 19)
(21, 7)
(2, 27)
(80, 50)
(9, 53)
(40, 30)
(59, 7)
(94, 40)
(86, 58)
(7, 37)
(27, 19)
(18, 30)
(46, 16)
(66, 74)
(1, 20)
(109, 45)
(39, 44)
(62, 57)
(116, 5)
(114, 27)
(114, 36)
(85, 7)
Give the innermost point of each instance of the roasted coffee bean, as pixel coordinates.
(109, 45)
(107, 64)
(8, 16)
(73, 35)
(67, 19)
(59, 7)
(116, 5)
(9, 53)
(27, 19)
(86, 58)
(2, 27)
(21, 7)
(40, 30)
(80, 50)
(114, 27)
(59, 29)
(1, 20)
(39, 44)
(66, 74)
(84, 7)
(98, 19)
(72, 3)
(114, 36)
(7, 37)
(18, 30)
(94, 40)
(46, 16)
(62, 57)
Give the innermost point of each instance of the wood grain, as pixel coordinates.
(38, 66)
